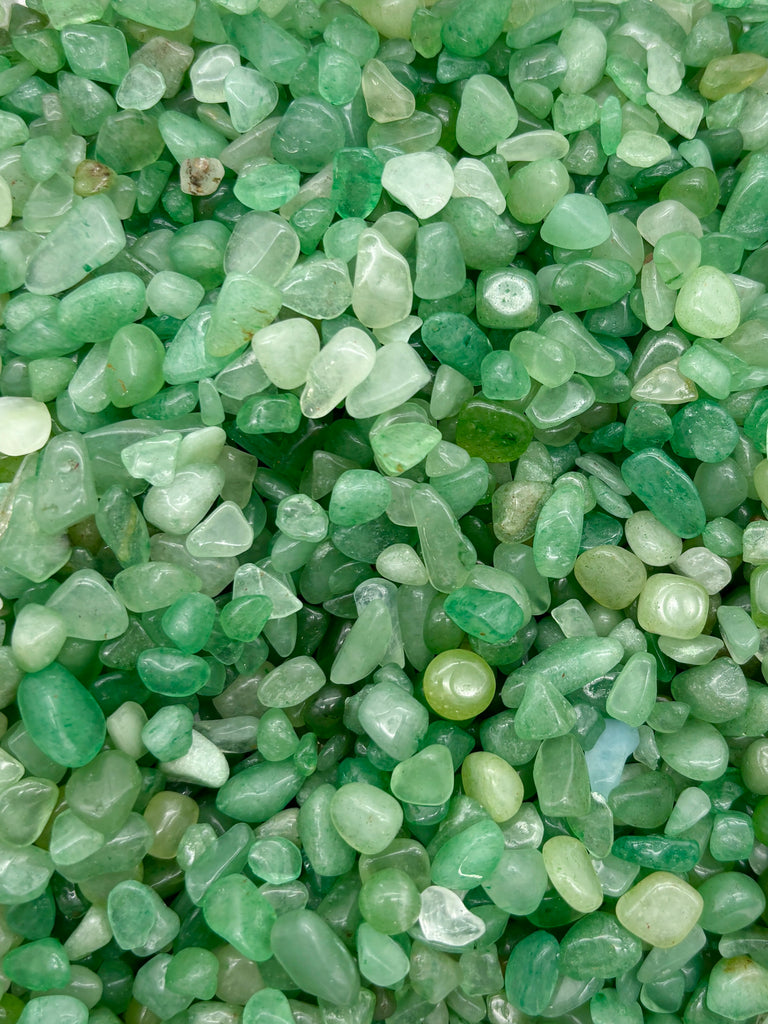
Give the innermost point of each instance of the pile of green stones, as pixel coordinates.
(383, 538)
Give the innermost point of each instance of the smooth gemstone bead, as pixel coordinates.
(234, 909)
(494, 783)
(470, 857)
(61, 716)
(576, 222)
(458, 685)
(365, 817)
(445, 921)
(532, 972)
(425, 779)
(139, 919)
(492, 430)
(487, 114)
(738, 988)
(731, 901)
(697, 751)
(598, 946)
(314, 957)
(89, 236)
(568, 665)
(661, 909)
(707, 304)
(571, 873)
(673, 606)
(394, 720)
(25, 425)
(666, 491)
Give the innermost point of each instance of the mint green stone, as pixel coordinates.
(315, 957)
(591, 283)
(139, 919)
(38, 966)
(426, 778)
(61, 716)
(492, 430)
(470, 857)
(381, 959)
(234, 909)
(738, 988)
(576, 222)
(532, 972)
(666, 490)
(188, 623)
(168, 734)
(268, 1006)
(598, 946)
(193, 972)
(488, 615)
(169, 672)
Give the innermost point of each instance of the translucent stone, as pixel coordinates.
(487, 115)
(661, 909)
(340, 365)
(491, 781)
(61, 716)
(570, 871)
(25, 425)
(611, 576)
(422, 182)
(673, 606)
(576, 222)
(365, 817)
(707, 304)
(386, 99)
(458, 685)
(445, 920)
(89, 236)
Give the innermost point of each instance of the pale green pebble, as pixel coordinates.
(62, 1009)
(174, 294)
(708, 304)
(542, 144)
(401, 564)
(386, 99)
(661, 909)
(651, 541)
(285, 351)
(141, 88)
(738, 988)
(6, 203)
(494, 783)
(673, 606)
(365, 817)
(642, 149)
(612, 576)
(487, 115)
(224, 533)
(576, 222)
(25, 425)
(38, 636)
(422, 182)
(572, 874)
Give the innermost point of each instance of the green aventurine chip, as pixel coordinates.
(383, 512)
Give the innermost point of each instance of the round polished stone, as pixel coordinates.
(459, 685)
(673, 606)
